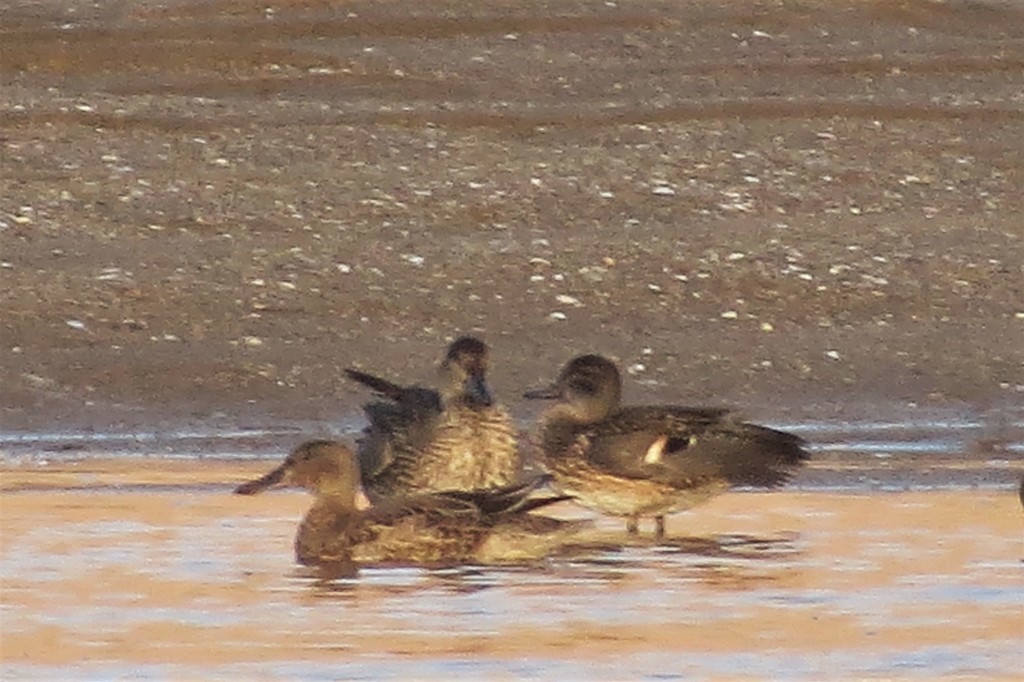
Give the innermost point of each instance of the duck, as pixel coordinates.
(343, 526)
(420, 439)
(648, 461)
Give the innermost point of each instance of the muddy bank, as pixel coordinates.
(208, 209)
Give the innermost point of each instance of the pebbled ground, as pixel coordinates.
(806, 209)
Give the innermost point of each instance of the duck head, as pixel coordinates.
(325, 468)
(587, 389)
(463, 373)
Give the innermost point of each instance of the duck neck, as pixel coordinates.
(557, 431)
(324, 531)
(339, 500)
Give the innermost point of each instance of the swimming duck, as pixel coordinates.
(650, 460)
(454, 527)
(455, 438)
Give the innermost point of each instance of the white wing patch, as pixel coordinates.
(362, 501)
(656, 450)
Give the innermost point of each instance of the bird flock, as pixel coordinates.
(436, 478)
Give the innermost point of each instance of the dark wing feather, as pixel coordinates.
(413, 398)
(620, 443)
(435, 506)
(533, 503)
(737, 453)
(399, 428)
(675, 413)
(696, 445)
(426, 528)
(503, 500)
(381, 386)
(394, 437)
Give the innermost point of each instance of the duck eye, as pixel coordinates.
(584, 387)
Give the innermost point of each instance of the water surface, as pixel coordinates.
(879, 562)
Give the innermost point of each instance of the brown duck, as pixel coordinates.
(455, 438)
(455, 527)
(650, 460)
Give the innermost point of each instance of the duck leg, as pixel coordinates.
(659, 527)
(633, 524)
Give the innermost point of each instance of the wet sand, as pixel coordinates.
(154, 568)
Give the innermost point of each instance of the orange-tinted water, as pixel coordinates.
(151, 568)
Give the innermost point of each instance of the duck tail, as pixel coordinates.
(765, 457)
(509, 499)
(533, 503)
(520, 497)
(381, 386)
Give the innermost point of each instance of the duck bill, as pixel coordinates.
(546, 393)
(268, 480)
(477, 392)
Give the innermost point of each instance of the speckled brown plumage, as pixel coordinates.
(454, 438)
(489, 526)
(649, 461)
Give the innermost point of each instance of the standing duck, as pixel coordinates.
(455, 438)
(483, 527)
(650, 460)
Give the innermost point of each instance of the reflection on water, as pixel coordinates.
(727, 561)
(112, 582)
(897, 552)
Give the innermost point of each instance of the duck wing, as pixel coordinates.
(446, 527)
(684, 447)
(414, 399)
(400, 426)
(425, 529)
(433, 508)
(512, 499)
(394, 436)
(382, 387)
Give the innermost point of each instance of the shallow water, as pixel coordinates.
(908, 565)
